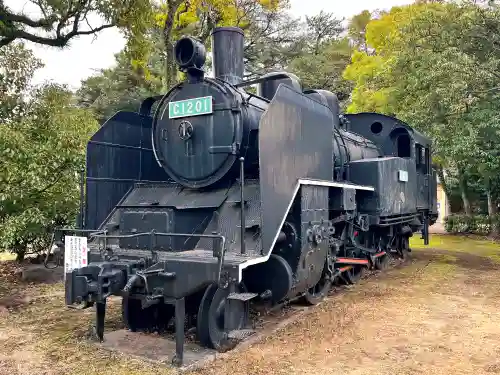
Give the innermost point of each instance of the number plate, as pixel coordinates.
(190, 107)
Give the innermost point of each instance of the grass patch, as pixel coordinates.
(442, 267)
(5, 256)
(461, 244)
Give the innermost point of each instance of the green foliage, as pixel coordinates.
(435, 65)
(138, 75)
(357, 29)
(41, 153)
(17, 66)
(174, 18)
(272, 40)
(122, 87)
(324, 54)
(323, 70)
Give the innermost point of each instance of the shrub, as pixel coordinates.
(40, 156)
(477, 224)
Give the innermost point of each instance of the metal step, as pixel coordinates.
(242, 296)
(240, 334)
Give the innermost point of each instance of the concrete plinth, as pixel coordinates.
(156, 349)
(39, 274)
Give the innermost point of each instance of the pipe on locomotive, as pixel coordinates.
(227, 55)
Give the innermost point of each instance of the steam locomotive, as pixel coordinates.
(222, 199)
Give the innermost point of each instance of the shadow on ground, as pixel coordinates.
(21, 284)
(460, 259)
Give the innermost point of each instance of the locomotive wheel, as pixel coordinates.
(210, 324)
(202, 318)
(275, 275)
(382, 262)
(353, 275)
(317, 293)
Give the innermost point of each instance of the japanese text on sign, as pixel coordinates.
(75, 253)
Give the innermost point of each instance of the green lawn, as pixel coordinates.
(5, 255)
(479, 246)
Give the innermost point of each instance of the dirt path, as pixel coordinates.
(438, 315)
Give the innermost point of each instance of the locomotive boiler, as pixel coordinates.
(224, 199)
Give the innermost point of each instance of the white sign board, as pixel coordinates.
(402, 176)
(75, 253)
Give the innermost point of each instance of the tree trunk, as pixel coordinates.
(463, 191)
(466, 202)
(172, 7)
(492, 211)
(20, 253)
(492, 208)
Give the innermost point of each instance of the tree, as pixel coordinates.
(17, 66)
(436, 66)
(40, 155)
(62, 20)
(324, 69)
(325, 55)
(272, 40)
(199, 17)
(124, 86)
(357, 29)
(322, 29)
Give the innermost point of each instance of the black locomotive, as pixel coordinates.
(224, 198)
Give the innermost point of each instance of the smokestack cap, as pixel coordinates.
(189, 53)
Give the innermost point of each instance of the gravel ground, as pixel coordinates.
(438, 314)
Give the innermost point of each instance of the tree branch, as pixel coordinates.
(58, 41)
(6, 40)
(11, 17)
(15, 26)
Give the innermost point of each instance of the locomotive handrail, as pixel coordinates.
(262, 79)
(171, 234)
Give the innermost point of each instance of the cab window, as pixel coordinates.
(422, 158)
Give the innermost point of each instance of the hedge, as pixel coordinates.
(477, 224)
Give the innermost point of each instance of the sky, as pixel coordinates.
(87, 54)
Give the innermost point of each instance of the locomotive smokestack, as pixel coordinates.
(189, 53)
(227, 51)
(190, 56)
